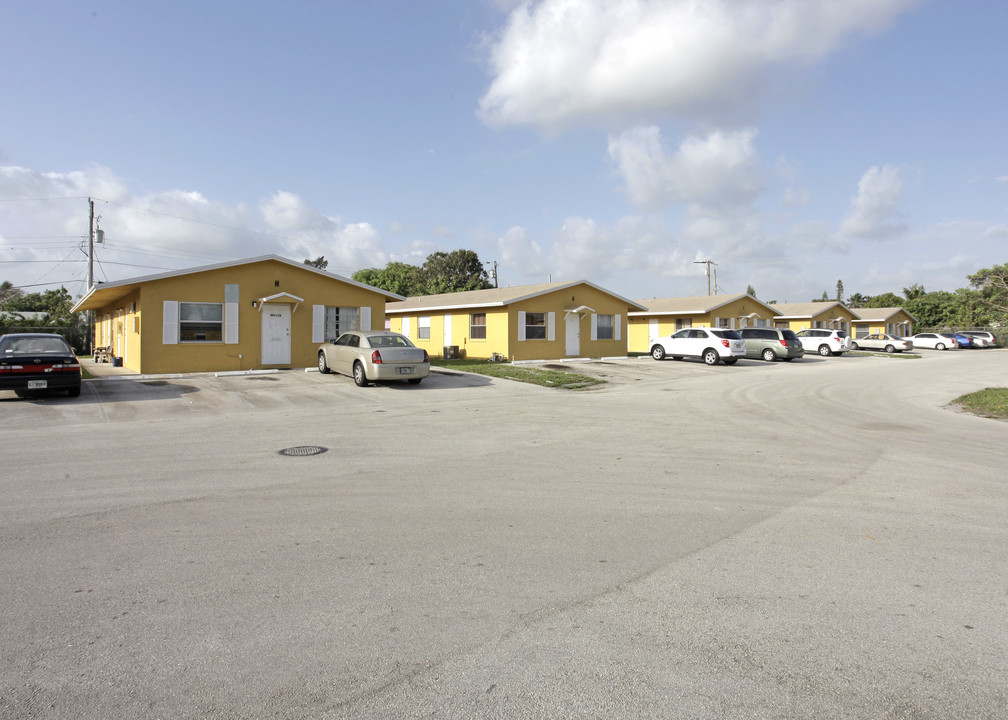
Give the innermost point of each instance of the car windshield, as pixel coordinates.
(380, 341)
(841, 333)
(727, 334)
(789, 335)
(43, 345)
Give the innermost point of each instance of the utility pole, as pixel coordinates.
(90, 255)
(708, 263)
(493, 272)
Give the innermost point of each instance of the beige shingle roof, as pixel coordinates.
(807, 310)
(694, 305)
(879, 314)
(492, 297)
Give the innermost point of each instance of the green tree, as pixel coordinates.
(839, 291)
(55, 304)
(857, 300)
(934, 309)
(8, 292)
(320, 262)
(991, 288)
(750, 290)
(457, 271)
(397, 277)
(442, 272)
(914, 291)
(885, 300)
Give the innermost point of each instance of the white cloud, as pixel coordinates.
(716, 171)
(173, 229)
(874, 212)
(558, 62)
(520, 253)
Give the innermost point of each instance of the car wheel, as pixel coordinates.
(711, 357)
(322, 366)
(358, 374)
(769, 355)
(940, 346)
(890, 349)
(658, 352)
(414, 381)
(825, 351)
(854, 346)
(73, 392)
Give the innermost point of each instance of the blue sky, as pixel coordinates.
(793, 142)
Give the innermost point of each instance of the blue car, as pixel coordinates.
(963, 341)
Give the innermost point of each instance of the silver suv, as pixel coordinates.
(771, 343)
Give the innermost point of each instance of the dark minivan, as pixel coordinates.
(771, 343)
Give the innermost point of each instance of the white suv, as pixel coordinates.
(824, 341)
(986, 337)
(713, 345)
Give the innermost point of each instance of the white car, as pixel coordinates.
(824, 341)
(882, 341)
(986, 338)
(712, 345)
(932, 340)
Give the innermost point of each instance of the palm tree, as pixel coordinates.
(914, 291)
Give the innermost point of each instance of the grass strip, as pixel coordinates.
(989, 402)
(546, 377)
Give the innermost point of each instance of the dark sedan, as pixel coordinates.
(33, 363)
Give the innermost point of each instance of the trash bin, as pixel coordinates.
(451, 352)
(117, 362)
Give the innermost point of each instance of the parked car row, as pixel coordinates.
(721, 345)
(953, 340)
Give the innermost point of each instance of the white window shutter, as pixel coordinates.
(551, 326)
(365, 317)
(521, 326)
(594, 326)
(230, 323)
(318, 323)
(170, 332)
(618, 329)
(717, 322)
(405, 325)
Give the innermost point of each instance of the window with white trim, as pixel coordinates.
(339, 320)
(477, 326)
(423, 327)
(201, 322)
(606, 325)
(535, 326)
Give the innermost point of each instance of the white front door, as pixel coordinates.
(276, 334)
(447, 329)
(572, 331)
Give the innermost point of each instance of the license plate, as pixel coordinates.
(405, 371)
(37, 384)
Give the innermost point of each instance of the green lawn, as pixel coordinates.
(991, 402)
(545, 376)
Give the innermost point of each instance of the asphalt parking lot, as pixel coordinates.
(826, 537)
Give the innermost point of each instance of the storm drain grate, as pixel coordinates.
(303, 450)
